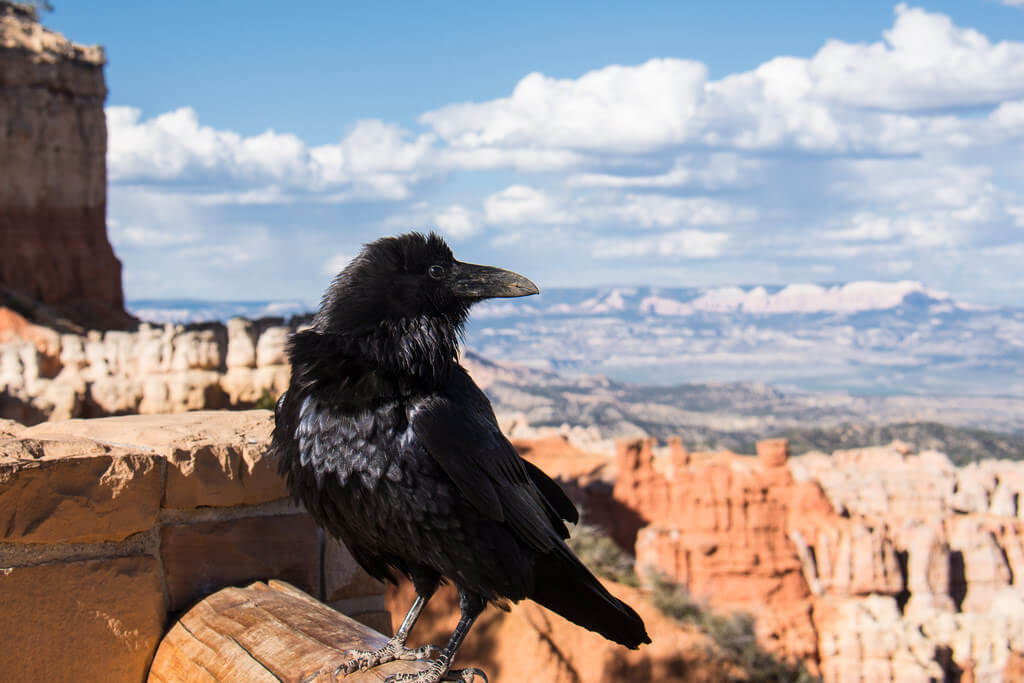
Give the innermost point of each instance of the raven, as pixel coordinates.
(392, 448)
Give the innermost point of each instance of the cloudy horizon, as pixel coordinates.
(891, 159)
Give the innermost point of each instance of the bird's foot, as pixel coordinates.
(437, 672)
(361, 660)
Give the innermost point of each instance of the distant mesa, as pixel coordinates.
(57, 266)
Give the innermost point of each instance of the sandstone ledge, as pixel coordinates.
(111, 527)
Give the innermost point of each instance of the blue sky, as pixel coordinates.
(254, 147)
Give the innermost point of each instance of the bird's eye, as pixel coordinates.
(436, 272)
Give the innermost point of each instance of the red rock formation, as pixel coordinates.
(53, 139)
(718, 523)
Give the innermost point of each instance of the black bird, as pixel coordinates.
(392, 448)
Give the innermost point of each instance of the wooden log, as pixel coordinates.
(266, 632)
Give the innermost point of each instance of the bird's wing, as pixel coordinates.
(465, 440)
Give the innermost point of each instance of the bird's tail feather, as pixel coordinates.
(565, 586)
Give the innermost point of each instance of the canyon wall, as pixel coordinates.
(54, 249)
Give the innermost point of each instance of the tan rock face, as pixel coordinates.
(106, 524)
(53, 140)
(98, 620)
(75, 490)
(214, 459)
(9, 428)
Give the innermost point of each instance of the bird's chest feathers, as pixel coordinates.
(366, 447)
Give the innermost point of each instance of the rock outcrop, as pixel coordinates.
(719, 525)
(956, 536)
(170, 369)
(54, 249)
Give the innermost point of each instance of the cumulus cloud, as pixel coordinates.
(925, 62)
(629, 108)
(374, 160)
(847, 97)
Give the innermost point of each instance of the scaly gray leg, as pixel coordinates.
(361, 660)
(440, 670)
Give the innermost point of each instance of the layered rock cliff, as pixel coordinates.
(54, 249)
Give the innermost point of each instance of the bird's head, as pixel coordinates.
(411, 276)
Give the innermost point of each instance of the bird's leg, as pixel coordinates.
(440, 670)
(361, 660)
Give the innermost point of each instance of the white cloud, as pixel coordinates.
(1010, 116)
(926, 62)
(651, 210)
(375, 159)
(144, 237)
(169, 145)
(520, 204)
(847, 97)
(457, 221)
(696, 244)
(335, 264)
(253, 244)
(630, 108)
(520, 159)
(1017, 214)
(925, 231)
(711, 171)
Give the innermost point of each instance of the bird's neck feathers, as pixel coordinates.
(425, 347)
(415, 351)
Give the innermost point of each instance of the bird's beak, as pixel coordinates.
(485, 282)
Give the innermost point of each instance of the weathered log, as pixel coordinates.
(269, 632)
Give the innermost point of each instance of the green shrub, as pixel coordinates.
(601, 554)
(267, 401)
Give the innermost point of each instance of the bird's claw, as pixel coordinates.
(433, 675)
(363, 660)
